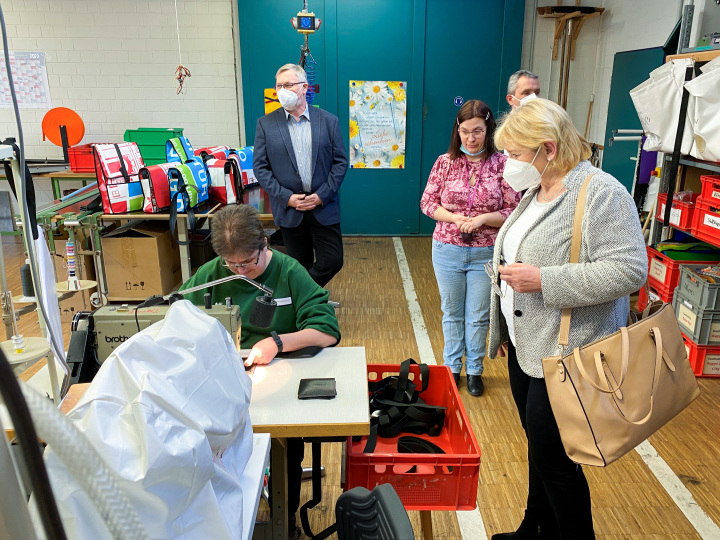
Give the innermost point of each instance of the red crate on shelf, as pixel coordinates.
(681, 214)
(81, 158)
(664, 272)
(656, 293)
(706, 221)
(704, 359)
(710, 188)
(422, 481)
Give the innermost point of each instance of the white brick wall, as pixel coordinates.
(625, 25)
(113, 62)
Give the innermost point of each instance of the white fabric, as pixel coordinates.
(509, 252)
(49, 299)
(705, 89)
(169, 412)
(657, 102)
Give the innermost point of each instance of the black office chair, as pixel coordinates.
(370, 515)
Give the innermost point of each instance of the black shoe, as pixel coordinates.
(524, 532)
(475, 385)
(456, 377)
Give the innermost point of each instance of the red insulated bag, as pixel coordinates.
(156, 187)
(225, 181)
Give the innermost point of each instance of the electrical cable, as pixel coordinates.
(25, 215)
(27, 436)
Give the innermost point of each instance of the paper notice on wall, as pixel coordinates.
(377, 124)
(31, 82)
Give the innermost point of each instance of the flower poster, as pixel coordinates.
(377, 124)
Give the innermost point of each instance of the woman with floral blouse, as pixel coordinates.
(469, 199)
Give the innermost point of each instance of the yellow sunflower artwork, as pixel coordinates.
(377, 124)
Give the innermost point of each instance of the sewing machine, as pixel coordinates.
(95, 335)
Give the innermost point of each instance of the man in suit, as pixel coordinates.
(300, 161)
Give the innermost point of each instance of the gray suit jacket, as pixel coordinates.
(277, 172)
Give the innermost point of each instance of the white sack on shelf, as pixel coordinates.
(705, 89)
(657, 102)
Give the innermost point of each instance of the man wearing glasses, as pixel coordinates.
(300, 161)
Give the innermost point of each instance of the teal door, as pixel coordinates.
(440, 49)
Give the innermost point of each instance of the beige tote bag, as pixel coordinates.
(612, 394)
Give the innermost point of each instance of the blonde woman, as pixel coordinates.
(548, 158)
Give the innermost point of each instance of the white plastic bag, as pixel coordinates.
(168, 411)
(706, 90)
(657, 102)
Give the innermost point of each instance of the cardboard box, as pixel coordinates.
(85, 269)
(140, 261)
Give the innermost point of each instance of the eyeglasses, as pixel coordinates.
(475, 132)
(241, 266)
(491, 273)
(288, 85)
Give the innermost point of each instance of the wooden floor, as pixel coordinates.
(628, 500)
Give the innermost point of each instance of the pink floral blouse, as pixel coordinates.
(447, 186)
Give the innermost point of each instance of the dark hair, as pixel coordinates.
(473, 109)
(237, 230)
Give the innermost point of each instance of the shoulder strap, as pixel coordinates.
(123, 170)
(574, 256)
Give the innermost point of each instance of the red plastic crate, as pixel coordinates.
(704, 359)
(656, 293)
(681, 214)
(706, 221)
(664, 272)
(710, 188)
(81, 158)
(422, 481)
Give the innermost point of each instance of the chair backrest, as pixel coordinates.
(372, 515)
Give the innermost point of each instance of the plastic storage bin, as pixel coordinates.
(151, 142)
(699, 291)
(423, 481)
(656, 293)
(81, 158)
(702, 326)
(681, 214)
(706, 221)
(710, 188)
(704, 360)
(664, 272)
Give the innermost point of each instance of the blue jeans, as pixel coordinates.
(465, 301)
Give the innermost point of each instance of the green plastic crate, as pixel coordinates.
(152, 136)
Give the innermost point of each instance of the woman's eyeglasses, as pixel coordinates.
(496, 284)
(241, 266)
(475, 132)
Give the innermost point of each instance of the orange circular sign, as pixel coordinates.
(62, 116)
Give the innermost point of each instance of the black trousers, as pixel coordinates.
(316, 246)
(558, 495)
(295, 452)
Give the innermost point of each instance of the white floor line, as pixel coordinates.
(421, 335)
(674, 487)
(470, 522)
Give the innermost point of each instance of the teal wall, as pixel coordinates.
(441, 49)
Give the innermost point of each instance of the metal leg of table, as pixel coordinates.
(278, 473)
(185, 265)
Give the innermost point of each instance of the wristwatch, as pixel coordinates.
(278, 341)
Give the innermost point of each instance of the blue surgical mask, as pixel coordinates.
(466, 151)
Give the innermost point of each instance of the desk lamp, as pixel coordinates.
(262, 312)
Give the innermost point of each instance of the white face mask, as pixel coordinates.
(524, 100)
(521, 175)
(288, 99)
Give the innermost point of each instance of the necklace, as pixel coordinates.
(546, 198)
